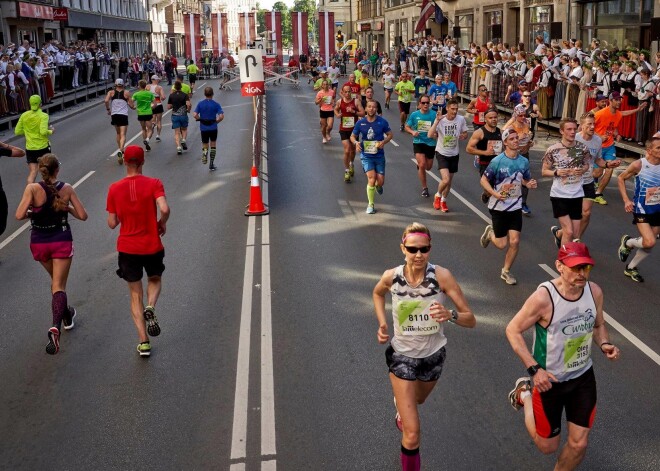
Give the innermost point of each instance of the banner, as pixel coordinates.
(247, 26)
(193, 30)
(274, 25)
(220, 33)
(299, 33)
(326, 35)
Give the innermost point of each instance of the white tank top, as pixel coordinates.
(416, 333)
(118, 104)
(563, 348)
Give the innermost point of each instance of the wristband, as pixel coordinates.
(556, 174)
(607, 164)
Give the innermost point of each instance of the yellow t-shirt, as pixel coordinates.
(192, 69)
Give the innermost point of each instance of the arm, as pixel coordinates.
(76, 208)
(380, 290)
(471, 147)
(629, 112)
(338, 109)
(632, 170)
(15, 151)
(600, 334)
(453, 290)
(485, 184)
(164, 214)
(129, 100)
(358, 105)
(548, 169)
(113, 220)
(219, 117)
(471, 107)
(19, 130)
(433, 132)
(43, 127)
(26, 201)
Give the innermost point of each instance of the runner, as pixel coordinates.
(180, 105)
(520, 123)
(503, 180)
(479, 106)
(131, 204)
(347, 110)
(369, 137)
(566, 161)
(185, 88)
(422, 84)
(354, 86)
(33, 124)
(209, 113)
(370, 96)
(158, 92)
(486, 142)
(144, 102)
(365, 82)
(192, 70)
(437, 93)
(567, 315)
(448, 130)
(404, 89)
(48, 204)
(117, 102)
(388, 85)
(645, 207)
(333, 74)
(319, 81)
(325, 99)
(416, 354)
(6, 150)
(418, 125)
(226, 66)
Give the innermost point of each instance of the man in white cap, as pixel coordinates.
(117, 102)
(158, 92)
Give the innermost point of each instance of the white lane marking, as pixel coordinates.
(237, 467)
(203, 83)
(645, 349)
(474, 209)
(18, 231)
(136, 136)
(239, 428)
(394, 143)
(270, 465)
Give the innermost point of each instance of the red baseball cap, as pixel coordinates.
(134, 155)
(573, 254)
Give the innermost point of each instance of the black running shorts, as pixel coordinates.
(209, 136)
(571, 207)
(505, 221)
(145, 117)
(411, 369)
(652, 219)
(450, 163)
(345, 135)
(428, 151)
(131, 265)
(33, 155)
(404, 107)
(119, 120)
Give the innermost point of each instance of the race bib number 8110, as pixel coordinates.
(414, 317)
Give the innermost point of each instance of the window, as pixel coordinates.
(616, 24)
(539, 19)
(465, 23)
(404, 30)
(493, 25)
(391, 28)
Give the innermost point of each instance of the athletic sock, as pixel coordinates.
(635, 243)
(59, 307)
(410, 459)
(524, 395)
(371, 194)
(443, 198)
(212, 155)
(640, 255)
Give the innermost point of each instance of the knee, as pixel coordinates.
(649, 243)
(410, 438)
(567, 232)
(577, 445)
(514, 241)
(547, 447)
(586, 213)
(445, 179)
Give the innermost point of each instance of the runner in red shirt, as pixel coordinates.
(479, 106)
(132, 203)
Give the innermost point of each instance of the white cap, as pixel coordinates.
(155, 77)
(119, 82)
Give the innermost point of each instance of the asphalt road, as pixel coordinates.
(300, 278)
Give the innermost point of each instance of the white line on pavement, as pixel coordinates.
(394, 143)
(18, 231)
(645, 349)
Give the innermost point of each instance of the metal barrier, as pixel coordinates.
(275, 75)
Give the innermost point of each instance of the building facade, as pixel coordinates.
(174, 11)
(346, 14)
(233, 8)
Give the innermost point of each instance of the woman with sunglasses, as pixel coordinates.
(416, 353)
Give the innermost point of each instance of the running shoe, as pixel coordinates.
(485, 237)
(379, 189)
(443, 207)
(153, 329)
(508, 278)
(324, 140)
(425, 192)
(402, 127)
(624, 251)
(371, 209)
(147, 146)
(328, 137)
(526, 211)
(179, 150)
(212, 168)
(67, 320)
(600, 200)
(53, 345)
(157, 138)
(144, 349)
(437, 202)
(184, 145)
(633, 274)
(347, 176)
(387, 106)
(120, 158)
(555, 230)
(522, 384)
(351, 170)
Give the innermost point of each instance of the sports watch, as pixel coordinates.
(533, 369)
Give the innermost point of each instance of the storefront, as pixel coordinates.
(22, 21)
(371, 35)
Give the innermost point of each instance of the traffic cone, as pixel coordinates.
(256, 206)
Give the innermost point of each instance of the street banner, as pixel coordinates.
(193, 41)
(326, 35)
(274, 26)
(251, 67)
(220, 33)
(247, 26)
(299, 33)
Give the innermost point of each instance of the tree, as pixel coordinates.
(286, 22)
(310, 7)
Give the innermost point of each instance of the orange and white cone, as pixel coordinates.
(256, 206)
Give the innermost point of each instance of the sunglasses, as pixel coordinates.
(423, 102)
(578, 268)
(526, 96)
(424, 249)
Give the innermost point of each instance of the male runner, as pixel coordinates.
(418, 125)
(333, 74)
(354, 86)
(347, 110)
(144, 101)
(503, 179)
(645, 207)
(6, 150)
(132, 203)
(369, 137)
(438, 95)
(33, 124)
(180, 105)
(117, 102)
(447, 130)
(566, 161)
(486, 142)
(405, 90)
(192, 70)
(479, 106)
(567, 316)
(209, 113)
(185, 88)
(422, 83)
(370, 96)
(159, 94)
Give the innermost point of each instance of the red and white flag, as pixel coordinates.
(220, 33)
(428, 9)
(326, 35)
(274, 25)
(193, 40)
(299, 33)
(248, 29)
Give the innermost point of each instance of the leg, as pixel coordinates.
(347, 152)
(512, 251)
(445, 184)
(159, 123)
(137, 309)
(177, 137)
(575, 448)
(328, 126)
(587, 204)
(566, 229)
(547, 446)
(143, 126)
(604, 181)
(406, 395)
(154, 284)
(32, 172)
(122, 137)
(421, 168)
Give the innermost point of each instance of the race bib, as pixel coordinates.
(449, 142)
(423, 126)
(572, 179)
(652, 196)
(495, 146)
(370, 147)
(327, 99)
(388, 83)
(353, 96)
(422, 90)
(510, 190)
(441, 100)
(414, 317)
(482, 116)
(577, 352)
(347, 121)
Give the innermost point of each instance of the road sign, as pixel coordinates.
(251, 67)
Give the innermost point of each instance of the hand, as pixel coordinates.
(439, 312)
(415, 133)
(614, 163)
(611, 352)
(532, 183)
(628, 206)
(358, 148)
(618, 138)
(643, 105)
(161, 228)
(542, 380)
(380, 144)
(382, 334)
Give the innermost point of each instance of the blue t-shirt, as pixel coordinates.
(208, 111)
(421, 86)
(434, 92)
(506, 176)
(451, 87)
(418, 121)
(368, 132)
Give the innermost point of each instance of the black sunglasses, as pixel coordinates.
(424, 249)
(423, 102)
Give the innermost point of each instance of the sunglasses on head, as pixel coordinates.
(424, 249)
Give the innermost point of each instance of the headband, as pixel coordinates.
(415, 234)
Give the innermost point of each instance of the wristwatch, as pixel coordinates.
(454, 315)
(533, 369)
